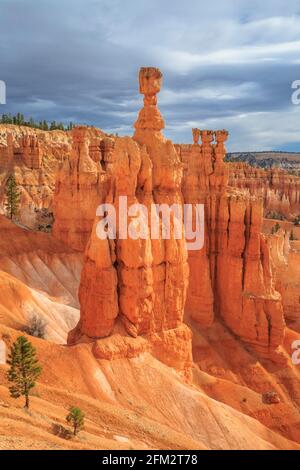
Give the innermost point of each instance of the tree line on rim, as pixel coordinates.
(19, 120)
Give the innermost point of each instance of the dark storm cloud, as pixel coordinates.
(226, 65)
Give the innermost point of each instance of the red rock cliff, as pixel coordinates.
(34, 157)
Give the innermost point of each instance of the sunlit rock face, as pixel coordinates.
(279, 189)
(33, 156)
(81, 185)
(139, 285)
(231, 277)
(285, 261)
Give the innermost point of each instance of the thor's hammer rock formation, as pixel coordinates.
(139, 285)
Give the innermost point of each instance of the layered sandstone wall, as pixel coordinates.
(33, 156)
(279, 189)
(81, 185)
(26, 149)
(285, 257)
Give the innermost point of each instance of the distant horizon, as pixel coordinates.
(264, 151)
(27, 118)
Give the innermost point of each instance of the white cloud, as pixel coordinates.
(249, 131)
(183, 61)
(215, 93)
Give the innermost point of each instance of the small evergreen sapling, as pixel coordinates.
(76, 419)
(24, 369)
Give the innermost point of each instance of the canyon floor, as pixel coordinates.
(134, 403)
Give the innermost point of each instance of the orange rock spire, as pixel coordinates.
(150, 79)
(139, 285)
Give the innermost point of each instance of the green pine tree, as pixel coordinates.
(24, 369)
(19, 120)
(76, 419)
(12, 197)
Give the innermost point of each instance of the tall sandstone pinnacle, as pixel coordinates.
(138, 285)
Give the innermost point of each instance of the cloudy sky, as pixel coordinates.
(226, 64)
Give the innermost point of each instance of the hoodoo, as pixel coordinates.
(139, 285)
